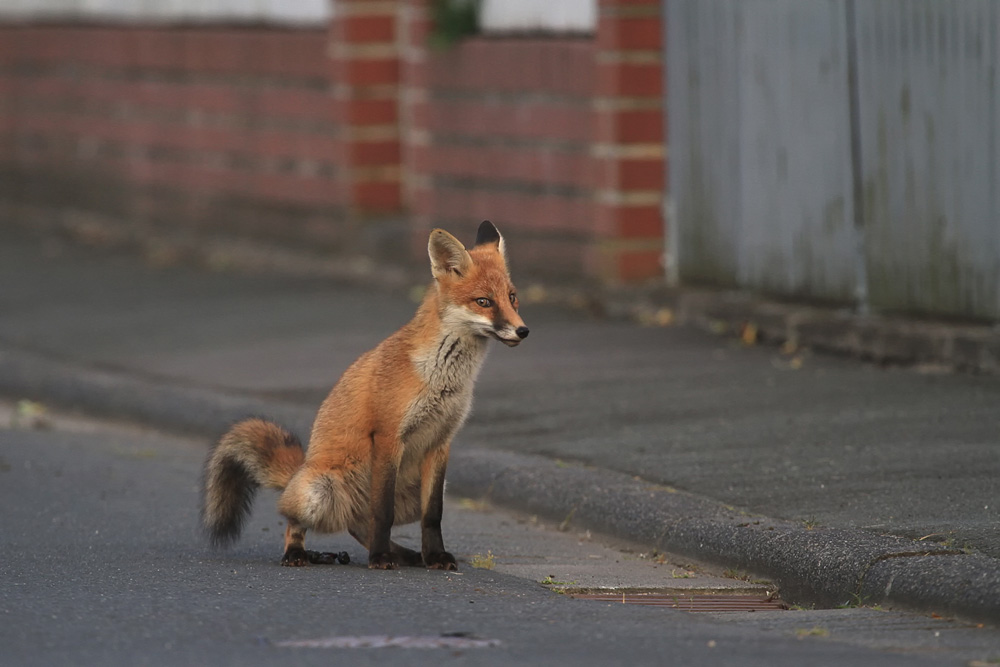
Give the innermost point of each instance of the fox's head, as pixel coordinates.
(474, 286)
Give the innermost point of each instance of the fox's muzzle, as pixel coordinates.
(505, 337)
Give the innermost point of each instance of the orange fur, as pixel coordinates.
(380, 442)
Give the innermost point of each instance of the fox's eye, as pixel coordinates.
(513, 299)
(483, 302)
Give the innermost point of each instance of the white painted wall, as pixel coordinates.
(293, 12)
(497, 16)
(531, 16)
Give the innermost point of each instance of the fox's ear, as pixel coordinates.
(489, 234)
(448, 255)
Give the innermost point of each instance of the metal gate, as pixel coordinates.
(836, 150)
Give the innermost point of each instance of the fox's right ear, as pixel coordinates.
(489, 235)
(448, 255)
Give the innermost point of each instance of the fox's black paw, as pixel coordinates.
(440, 561)
(383, 561)
(295, 557)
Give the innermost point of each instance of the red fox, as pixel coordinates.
(380, 442)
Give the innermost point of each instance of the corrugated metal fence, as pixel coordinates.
(837, 150)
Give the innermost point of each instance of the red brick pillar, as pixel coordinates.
(629, 150)
(364, 49)
(415, 28)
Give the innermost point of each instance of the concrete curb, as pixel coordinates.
(822, 566)
(826, 567)
(119, 395)
(874, 337)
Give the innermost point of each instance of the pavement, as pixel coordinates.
(106, 567)
(843, 482)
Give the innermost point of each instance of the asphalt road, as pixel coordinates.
(808, 438)
(101, 563)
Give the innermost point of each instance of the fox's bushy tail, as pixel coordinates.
(253, 453)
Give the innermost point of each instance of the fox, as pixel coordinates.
(380, 442)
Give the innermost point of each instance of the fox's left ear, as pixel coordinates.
(448, 255)
(489, 234)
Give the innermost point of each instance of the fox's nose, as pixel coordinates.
(522, 332)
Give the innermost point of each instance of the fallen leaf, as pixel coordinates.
(664, 317)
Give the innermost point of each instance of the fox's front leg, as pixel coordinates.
(432, 472)
(385, 468)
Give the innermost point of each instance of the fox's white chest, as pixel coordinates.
(448, 370)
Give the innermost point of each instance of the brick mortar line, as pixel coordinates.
(568, 147)
(232, 26)
(530, 188)
(189, 118)
(619, 56)
(615, 245)
(223, 160)
(628, 197)
(353, 52)
(387, 173)
(519, 97)
(624, 103)
(76, 73)
(341, 91)
(375, 133)
(415, 136)
(630, 151)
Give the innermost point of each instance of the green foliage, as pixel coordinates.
(452, 21)
(551, 581)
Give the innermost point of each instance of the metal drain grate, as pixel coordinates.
(696, 603)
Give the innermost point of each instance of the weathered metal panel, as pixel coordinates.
(928, 123)
(759, 130)
(798, 236)
(703, 112)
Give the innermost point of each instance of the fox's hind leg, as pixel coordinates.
(295, 545)
(316, 500)
(296, 555)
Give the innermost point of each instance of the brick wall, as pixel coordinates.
(200, 127)
(559, 141)
(509, 125)
(334, 135)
